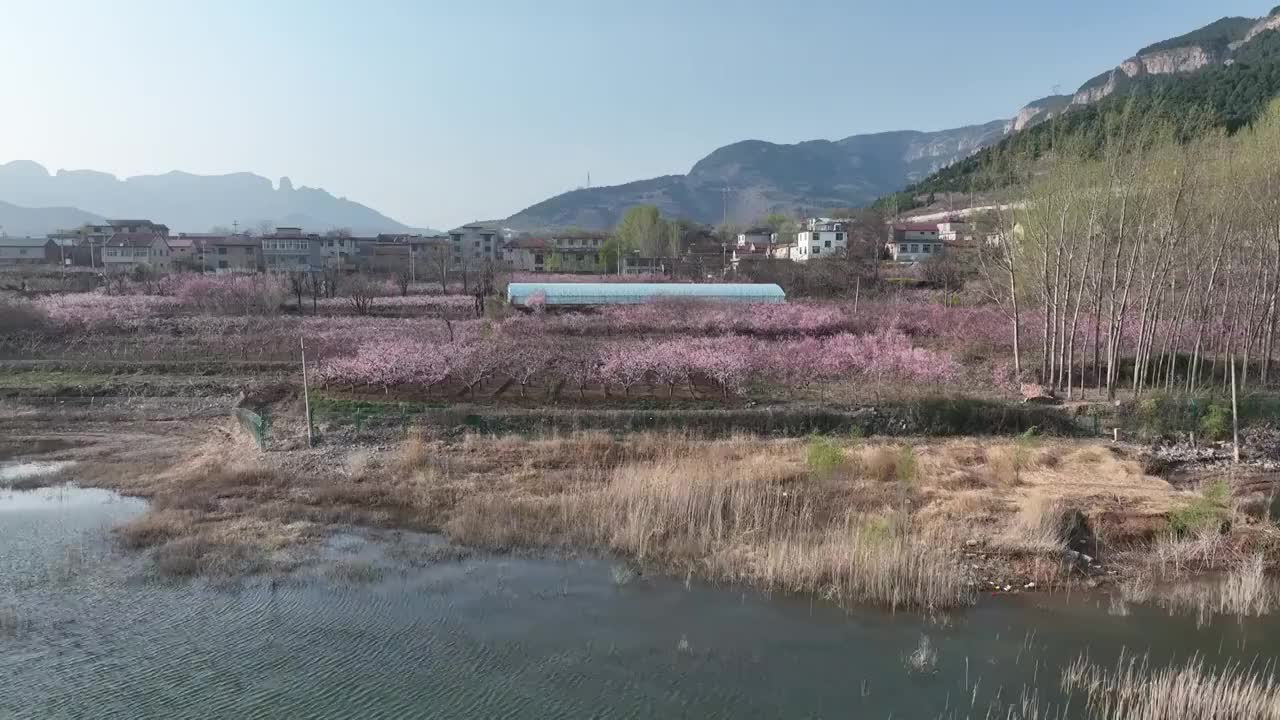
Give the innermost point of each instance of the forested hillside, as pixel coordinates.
(1227, 97)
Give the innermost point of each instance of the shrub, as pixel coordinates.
(1216, 424)
(1204, 512)
(20, 316)
(824, 457)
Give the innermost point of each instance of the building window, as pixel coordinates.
(839, 237)
(826, 244)
(915, 248)
(222, 251)
(817, 250)
(222, 264)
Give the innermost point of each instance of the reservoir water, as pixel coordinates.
(389, 626)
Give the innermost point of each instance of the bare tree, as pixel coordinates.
(297, 286)
(362, 292)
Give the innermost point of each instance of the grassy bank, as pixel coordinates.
(898, 523)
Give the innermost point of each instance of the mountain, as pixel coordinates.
(763, 177)
(21, 221)
(186, 202)
(1218, 77)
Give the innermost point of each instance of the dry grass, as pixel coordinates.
(1133, 690)
(1243, 591)
(156, 528)
(856, 521)
(1038, 528)
(1247, 590)
(880, 463)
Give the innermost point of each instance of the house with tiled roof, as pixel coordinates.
(126, 251)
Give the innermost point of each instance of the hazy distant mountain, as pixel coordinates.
(752, 178)
(19, 221)
(187, 202)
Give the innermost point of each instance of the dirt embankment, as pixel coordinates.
(923, 522)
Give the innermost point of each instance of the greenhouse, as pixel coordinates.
(583, 294)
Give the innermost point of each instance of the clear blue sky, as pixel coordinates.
(442, 112)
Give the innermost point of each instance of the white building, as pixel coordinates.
(820, 239)
(913, 243)
(953, 231)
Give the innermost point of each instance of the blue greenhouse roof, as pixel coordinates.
(633, 293)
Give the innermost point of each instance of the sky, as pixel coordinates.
(442, 112)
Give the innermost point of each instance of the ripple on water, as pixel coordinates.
(510, 637)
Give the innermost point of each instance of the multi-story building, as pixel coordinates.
(288, 249)
(527, 254)
(564, 252)
(415, 256)
(216, 253)
(342, 250)
(126, 251)
(820, 238)
(138, 226)
(476, 244)
(232, 254)
(84, 245)
(915, 242)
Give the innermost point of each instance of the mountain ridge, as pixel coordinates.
(186, 201)
(23, 221)
(1225, 91)
(764, 177)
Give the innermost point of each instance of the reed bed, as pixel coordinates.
(733, 511)
(1134, 690)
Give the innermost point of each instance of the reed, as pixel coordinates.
(1134, 690)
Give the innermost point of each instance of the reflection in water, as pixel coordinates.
(405, 626)
(12, 472)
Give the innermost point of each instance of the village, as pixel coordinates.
(144, 247)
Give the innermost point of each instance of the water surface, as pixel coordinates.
(390, 626)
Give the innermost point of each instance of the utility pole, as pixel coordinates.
(306, 392)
